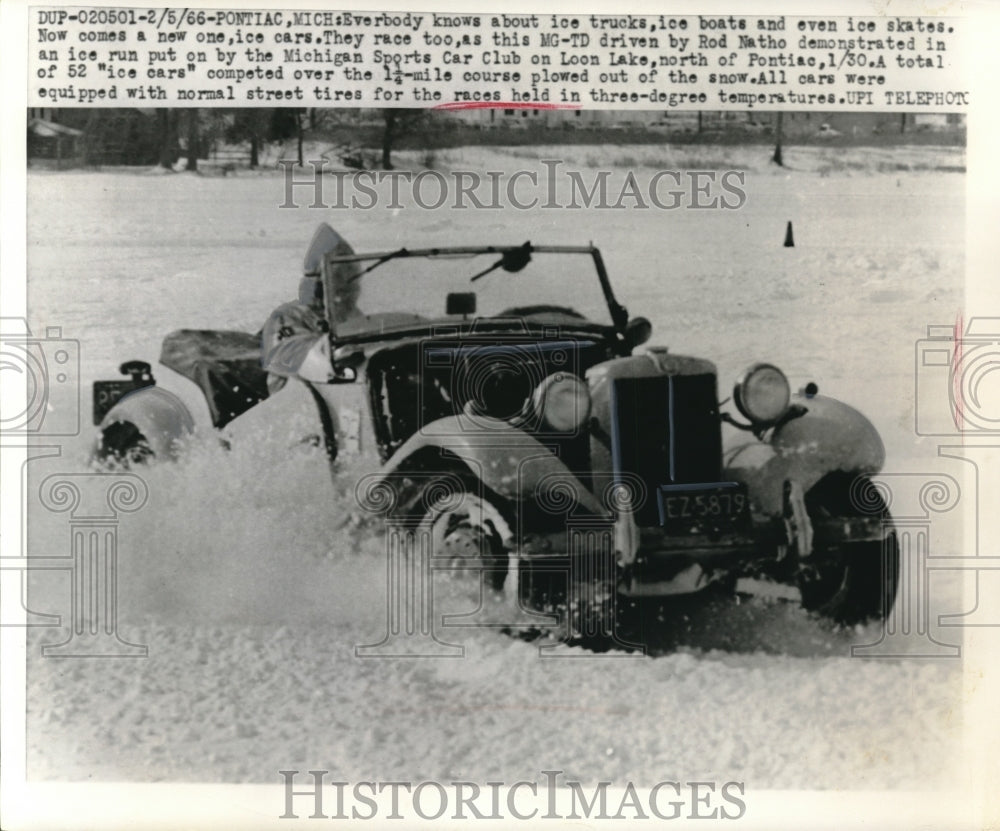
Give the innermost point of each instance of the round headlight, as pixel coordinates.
(563, 401)
(497, 382)
(762, 394)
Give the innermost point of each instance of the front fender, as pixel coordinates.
(159, 415)
(830, 437)
(509, 461)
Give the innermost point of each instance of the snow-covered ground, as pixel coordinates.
(247, 574)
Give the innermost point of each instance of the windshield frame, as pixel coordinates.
(619, 315)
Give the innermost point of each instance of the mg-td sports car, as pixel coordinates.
(524, 426)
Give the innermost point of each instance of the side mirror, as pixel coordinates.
(344, 375)
(637, 331)
(346, 360)
(460, 303)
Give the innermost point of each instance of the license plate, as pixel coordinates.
(107, 394)
(703, 508)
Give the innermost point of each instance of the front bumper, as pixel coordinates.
(649, 562)
(660, 564)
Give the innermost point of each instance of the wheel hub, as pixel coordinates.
(465, 544)
(468, 538)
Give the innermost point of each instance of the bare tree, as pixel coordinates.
(778, 131)
(391, 116)
(298, 135)
(251, 124)
(93, 152)
(167, 124)
(193, 139)
(399, 122)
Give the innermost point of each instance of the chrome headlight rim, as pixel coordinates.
(562, 402)
(761, 405)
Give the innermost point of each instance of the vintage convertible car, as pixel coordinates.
(545, 440)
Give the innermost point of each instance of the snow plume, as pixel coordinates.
(254, 535)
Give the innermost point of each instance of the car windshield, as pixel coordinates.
(420, 285)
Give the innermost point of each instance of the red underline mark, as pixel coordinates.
(504, 105)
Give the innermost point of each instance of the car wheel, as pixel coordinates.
(583, 599)
(121, 444)
(466, 529)
(855, 584)
(849, 582)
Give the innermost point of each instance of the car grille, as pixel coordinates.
(665, 431)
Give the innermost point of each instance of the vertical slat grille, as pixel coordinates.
(666, 431)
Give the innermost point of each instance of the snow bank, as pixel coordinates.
(251, 579)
